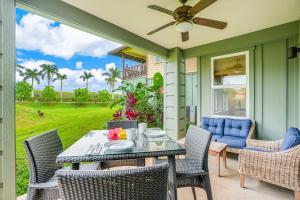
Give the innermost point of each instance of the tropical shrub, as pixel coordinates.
(141, 102)
(81, 95)
(23, 91)
(49, 94)
(104, 96)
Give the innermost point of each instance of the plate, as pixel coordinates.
(155, 133)
(119, 145)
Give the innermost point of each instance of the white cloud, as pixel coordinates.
(95, 84)
(110, 65)
(38, 33)
(78, 65)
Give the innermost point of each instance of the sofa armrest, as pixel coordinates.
(272, 146)
(280, 168)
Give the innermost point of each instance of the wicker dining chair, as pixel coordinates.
(192, 171)
(42, 151)
(145, 183)
(125, 124)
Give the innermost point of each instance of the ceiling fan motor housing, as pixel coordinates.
(182, 14)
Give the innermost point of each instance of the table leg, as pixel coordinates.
(218, 163)
(225, 157)
(172, 177)
(75, 166)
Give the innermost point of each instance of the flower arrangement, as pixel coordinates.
(117, 134)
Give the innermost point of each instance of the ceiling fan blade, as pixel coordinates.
(201, 5)
(185, 36)
(209, 23)
(160, 28)
(161, 9)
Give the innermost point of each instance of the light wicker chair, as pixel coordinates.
(192, 171)
(146, 183)
(125, 124)
(281, 168)
(41, 152)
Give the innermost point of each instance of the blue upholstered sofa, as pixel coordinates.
(233, 132)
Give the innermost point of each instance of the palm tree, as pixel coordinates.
(33, 75)
(85, 77)
(112, 77)
(20, 69)
(60, 77)
(49, 71)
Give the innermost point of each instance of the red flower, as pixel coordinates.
(117, 115)
(131, 115)
(131, 100)
(150, 118)
(113, 134)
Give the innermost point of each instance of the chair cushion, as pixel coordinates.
(255, 149)
(214, 138)
(233, 142)
(213, 125)
(291, 139)
(237, 127)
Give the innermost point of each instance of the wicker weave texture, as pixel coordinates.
(279, 168)
(147, 183)
(192, 171)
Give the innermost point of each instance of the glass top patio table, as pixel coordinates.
(143, 148)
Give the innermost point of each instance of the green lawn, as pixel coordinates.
(71, 121)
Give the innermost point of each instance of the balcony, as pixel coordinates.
(136, 71)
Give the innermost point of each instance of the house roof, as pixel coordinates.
(129, 53)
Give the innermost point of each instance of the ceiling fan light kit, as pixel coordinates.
(185, 18)
(184, 26)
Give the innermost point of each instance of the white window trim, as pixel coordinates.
(246, 53)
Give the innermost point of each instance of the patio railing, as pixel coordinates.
(136, 71)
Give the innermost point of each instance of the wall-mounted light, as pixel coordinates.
(292, 52)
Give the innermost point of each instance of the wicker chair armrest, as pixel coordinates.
(251, 134)
(51, 185)
(281, 168)
(272, 146)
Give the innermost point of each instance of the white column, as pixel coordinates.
(7, 100)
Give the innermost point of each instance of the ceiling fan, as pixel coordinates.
(185, 18)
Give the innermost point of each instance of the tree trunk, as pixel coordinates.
(60, 90)
(112, 91)
(32, 92)
(87, 84)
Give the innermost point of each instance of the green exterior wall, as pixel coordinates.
(191, 89)
(274, 79)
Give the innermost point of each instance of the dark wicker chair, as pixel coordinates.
(125, 124)
(145, 183)
(192, 171)
(41, 152)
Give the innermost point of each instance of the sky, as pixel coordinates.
(43, 41)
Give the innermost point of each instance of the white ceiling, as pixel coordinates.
(242, 16)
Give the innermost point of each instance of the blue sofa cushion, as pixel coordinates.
(233, 142)
(213, 125)
(291, 139)
(214, 138)
(237, 127)
(255, 149)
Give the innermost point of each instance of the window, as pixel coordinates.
(158, 60)
(230, 92)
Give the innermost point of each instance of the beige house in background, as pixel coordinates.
(149, 64)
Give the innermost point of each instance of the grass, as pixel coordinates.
(71, 121)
